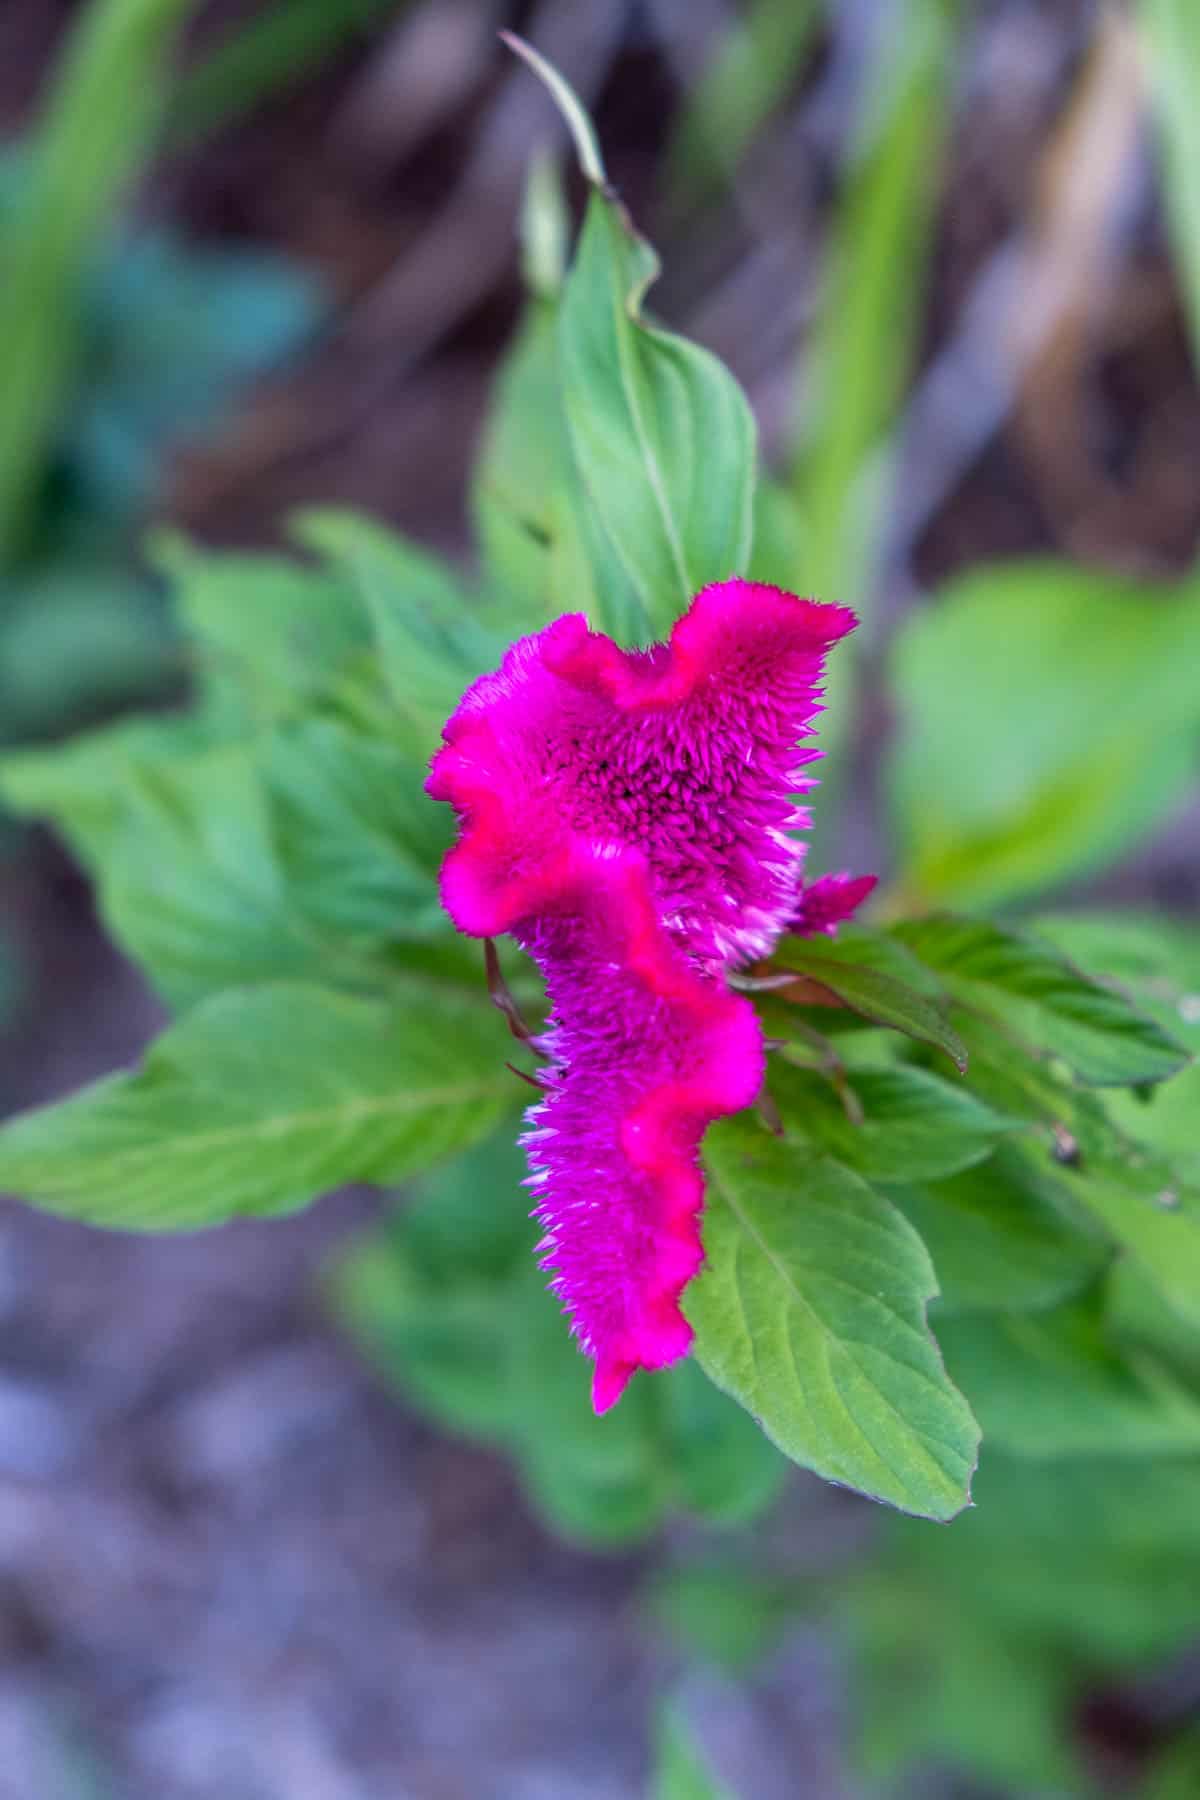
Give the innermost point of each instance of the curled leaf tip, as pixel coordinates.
(587, 146)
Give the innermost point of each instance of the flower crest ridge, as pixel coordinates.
(629, 817)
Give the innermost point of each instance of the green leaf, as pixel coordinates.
(312, 854)
(914, 1126)
(1043, 1002)
(998, 1238)
(873, 993)
(545, 227)
(1145, 1205)
(1027, 755)
(1134, 1314)
(1050, 1384)
(1160, 1230)
(275, 629)
(190, 884)
(359, 840)
(518, 500)
(604, 1481)
(260, 1100)
(543, 546)
(811, 1313)
(663, 438)
(673, 1442)
(432, 642)
(80, 784)
(1156, 964)
(939, 1683)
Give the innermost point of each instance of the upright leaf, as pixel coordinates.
(811, 1312)
(663, 438)
(543, 546)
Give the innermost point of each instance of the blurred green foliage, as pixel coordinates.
(115, 346)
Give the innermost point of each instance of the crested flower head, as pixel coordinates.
(627, 816)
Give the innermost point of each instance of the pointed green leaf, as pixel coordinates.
(1155, 962)
(312, 853)
(1045, 1004)
(1142, 1201)
(663, 438)
(543, 546)
(259, 1101)
(359, 840)
(873, 993)
(811, 1312)
(914, 1126)
(1159, 1229)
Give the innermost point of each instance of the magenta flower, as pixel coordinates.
(828, 902)
(628, 816)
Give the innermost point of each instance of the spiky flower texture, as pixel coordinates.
(629, 818)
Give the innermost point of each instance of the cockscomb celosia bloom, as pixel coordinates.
(828, 902)
(628, 817)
